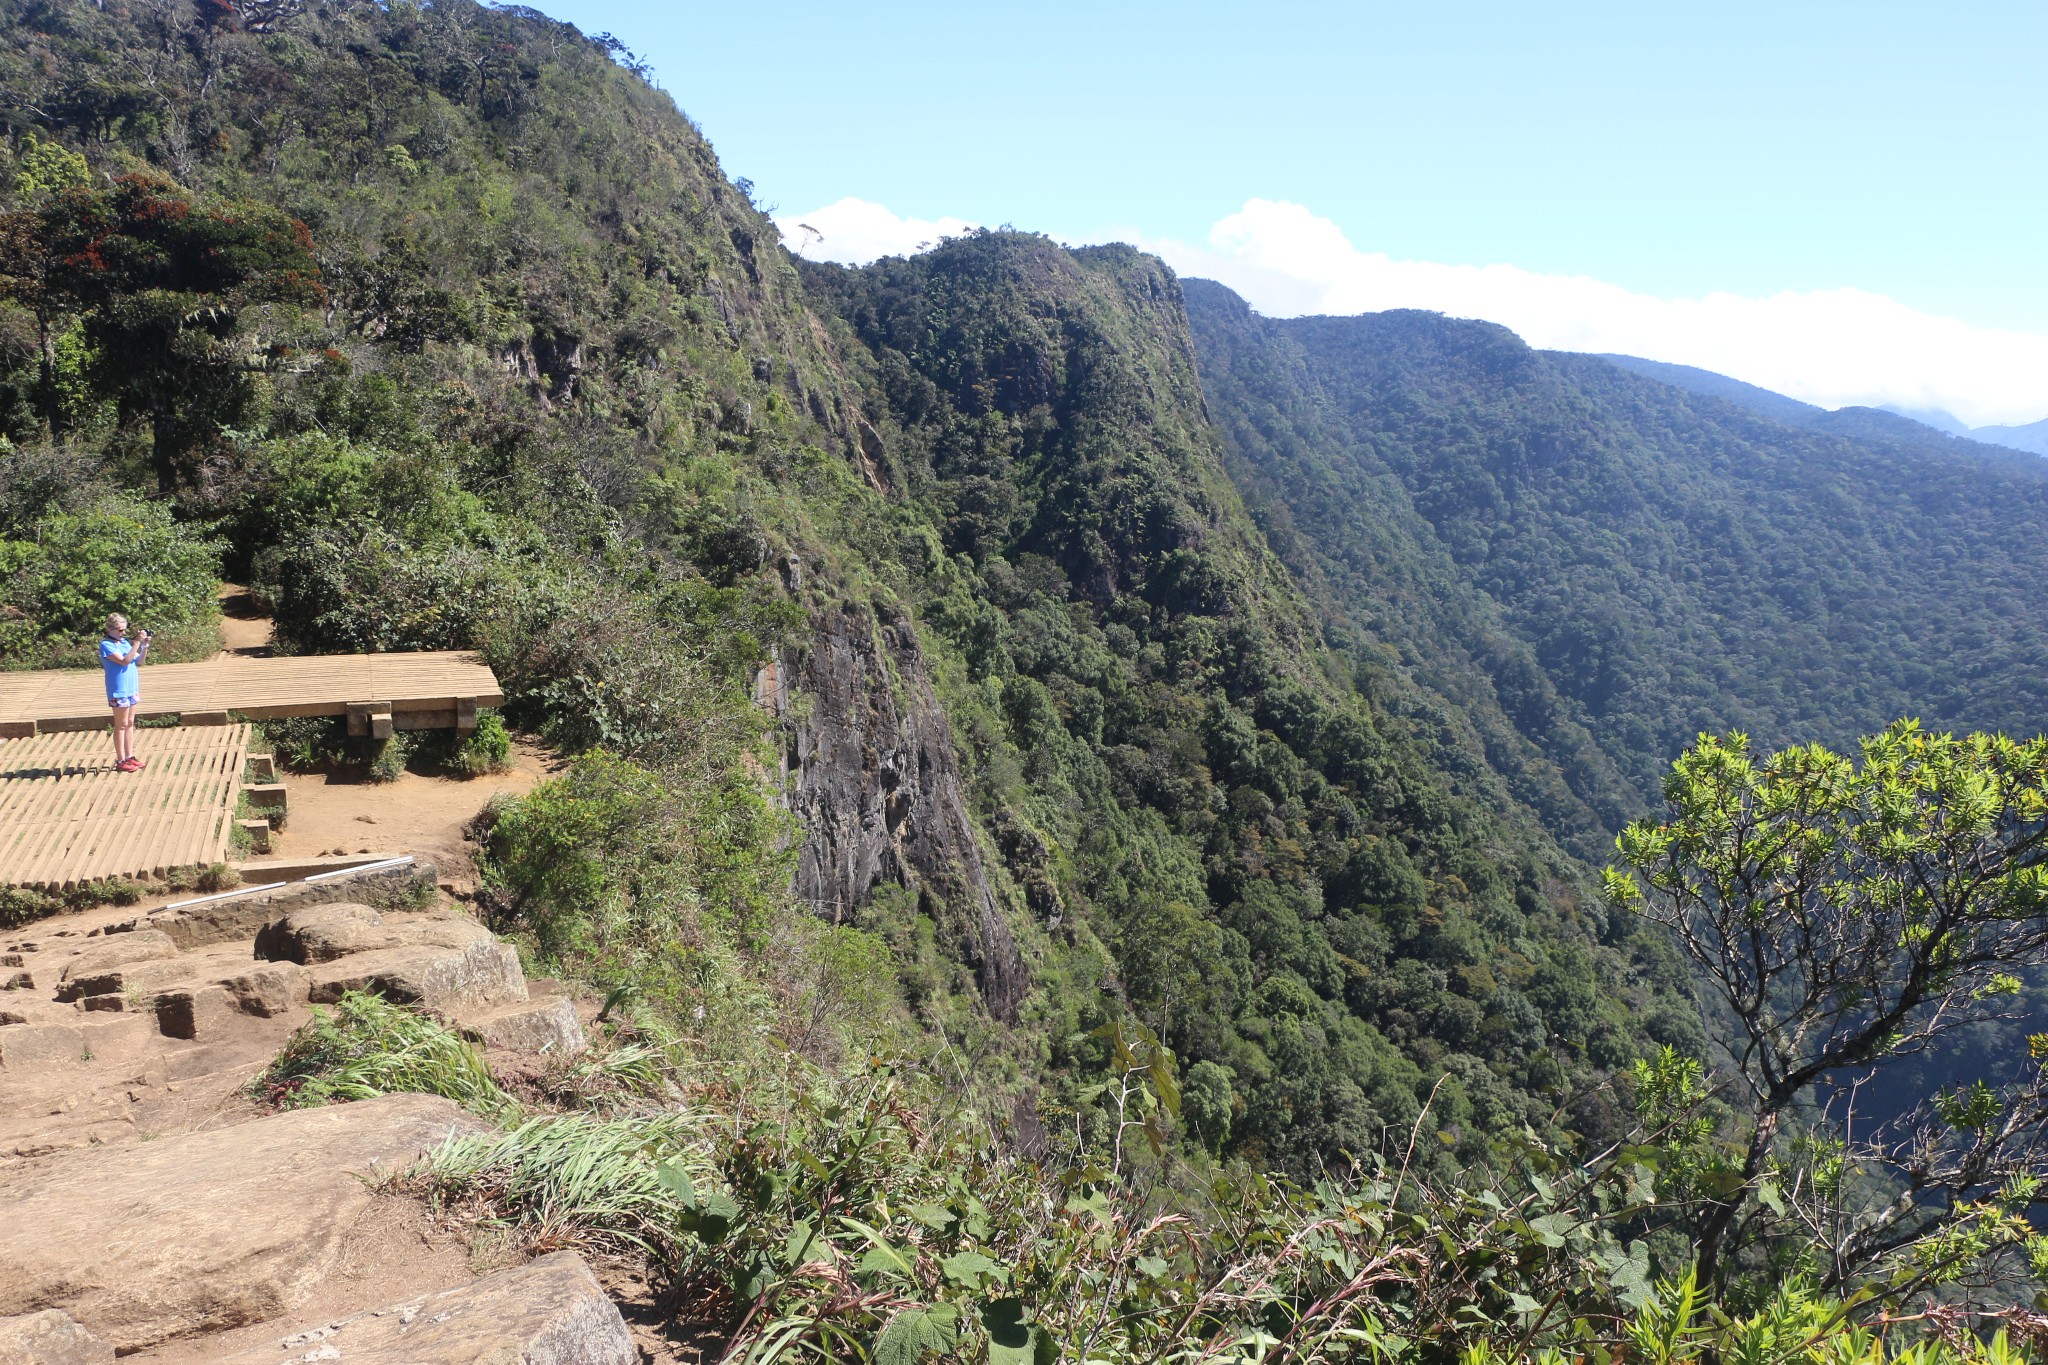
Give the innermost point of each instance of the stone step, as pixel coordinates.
(94, 1038)
(548, 1026)
(550, 1311)
(206, 1231)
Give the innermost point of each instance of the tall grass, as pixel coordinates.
(573, 1180)
(367, 1047)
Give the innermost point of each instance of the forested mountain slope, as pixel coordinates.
(1627, 563)
(944, 550)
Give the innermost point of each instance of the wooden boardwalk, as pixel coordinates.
(419, 691)
(67, 816)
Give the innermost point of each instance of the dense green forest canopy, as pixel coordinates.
(1012, 657)
(1612, 565)
(561, 392)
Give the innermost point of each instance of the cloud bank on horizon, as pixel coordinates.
(1833, 347)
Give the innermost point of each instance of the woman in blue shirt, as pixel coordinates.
(122, 662)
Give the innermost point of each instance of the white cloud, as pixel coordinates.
(854, 232)
(1833, 347)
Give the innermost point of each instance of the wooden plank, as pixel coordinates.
(100, 821)
(70, 817)
(261, 688)
(99, 812)
(32, 779)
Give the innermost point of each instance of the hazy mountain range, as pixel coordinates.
(2032, 437)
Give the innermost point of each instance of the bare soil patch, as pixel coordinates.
(337, 812)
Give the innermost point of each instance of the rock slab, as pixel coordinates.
(548, 1026)
(50, 1338)
(548, 1312)
(207, 1231)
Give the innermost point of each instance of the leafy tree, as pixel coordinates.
(124, 555)
(45, 167)
(1847, 916)
(162, 283)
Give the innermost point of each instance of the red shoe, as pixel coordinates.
(129, 765)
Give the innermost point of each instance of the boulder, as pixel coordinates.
(205, 1231)
(268, 989)
(480, 973)
(323, 933)
(202, 1012)
(548, 1026)
(88, 972)
(50, 1338)
(241, 916)
(548, 1312)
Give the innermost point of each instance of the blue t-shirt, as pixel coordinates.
(123, 680)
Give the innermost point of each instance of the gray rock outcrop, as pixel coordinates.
(877, 788)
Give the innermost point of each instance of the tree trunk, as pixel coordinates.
(1716, 1230)
(163, 448)
(53, 409)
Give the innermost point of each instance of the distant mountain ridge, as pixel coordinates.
(2032, 437)
(1591, 565)
(1881, 423)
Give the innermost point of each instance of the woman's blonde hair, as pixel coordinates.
(117, 619)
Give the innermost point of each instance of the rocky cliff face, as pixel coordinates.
(876, 784)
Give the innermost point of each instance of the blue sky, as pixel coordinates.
(1896, 150)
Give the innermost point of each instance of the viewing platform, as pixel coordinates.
(377, 692)
(67, 815)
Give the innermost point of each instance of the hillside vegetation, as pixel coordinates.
(1624, 565)
(1186, 750)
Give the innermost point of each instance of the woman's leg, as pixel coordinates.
(124, 733)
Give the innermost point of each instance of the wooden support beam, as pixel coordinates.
(465, 715)
(369, 719)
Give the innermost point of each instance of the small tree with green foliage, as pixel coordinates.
(1849, 915)
(125, 555)
(162, 283)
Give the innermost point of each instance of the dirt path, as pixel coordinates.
(337, 812)
(244, 629)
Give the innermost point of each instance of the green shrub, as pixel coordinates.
(559, 853)
(385, 760)
(368, 1047)
(217, 877)
(116, 891)
(125, 555)
(361, 588)
(487, 749)
(304, 743)
(21, 905)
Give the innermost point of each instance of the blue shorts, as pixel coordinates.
(124, 701)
